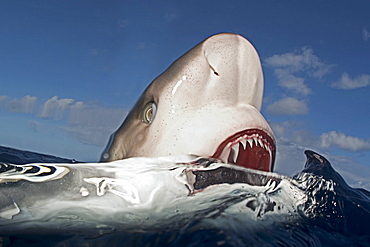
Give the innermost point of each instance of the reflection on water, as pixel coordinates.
(178, 201)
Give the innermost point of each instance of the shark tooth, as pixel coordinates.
(235, 152)
(250, 141)
(261, 143)
(244, 143)
(255, 139)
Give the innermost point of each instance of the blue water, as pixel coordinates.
(219, 206)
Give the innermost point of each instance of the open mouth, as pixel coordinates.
(251, 148)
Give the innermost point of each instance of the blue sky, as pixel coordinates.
(70, 70)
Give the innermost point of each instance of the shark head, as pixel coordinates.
(206, 103)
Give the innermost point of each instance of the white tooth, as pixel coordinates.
(224, 155)
(260, 142)
(244, 143)
(255, 140)
(236, 152)
(250, 141)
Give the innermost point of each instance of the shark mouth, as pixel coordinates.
(251, 148)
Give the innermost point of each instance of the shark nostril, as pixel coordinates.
(214, 71)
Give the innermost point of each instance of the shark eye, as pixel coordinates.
(149, 112)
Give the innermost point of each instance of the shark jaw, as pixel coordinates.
(250, 148)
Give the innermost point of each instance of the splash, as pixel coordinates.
(180, 200)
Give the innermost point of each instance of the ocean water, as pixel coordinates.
(175, 201)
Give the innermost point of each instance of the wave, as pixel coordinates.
(177, 201)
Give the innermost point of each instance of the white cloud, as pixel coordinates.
(346, 82)
(54, 108)
(292, 82)
(305, 60)
(288, 106)
(290, 61)
(291, 159)
(292, 71)
(284, 129)
(290, 156)
(292, 139)
(85, 123)
(81, 121)
(356, 175)
(303, 137)
(24, 105)
(3, 100)
(365, 34)
(342, 141)
(287, 65)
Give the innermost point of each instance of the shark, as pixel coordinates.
(207, 103)
(203, 110)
